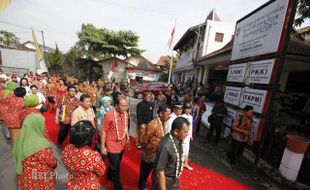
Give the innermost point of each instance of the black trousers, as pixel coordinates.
(115, 169)
(198, 126)
(63, 132)
(218, 129)
(145, 170)
(237, 148)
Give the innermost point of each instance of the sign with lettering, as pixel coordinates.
(231, 115)
(232, 95)
(236, 73)
(261, 32)
(256, 98)
(260, 72)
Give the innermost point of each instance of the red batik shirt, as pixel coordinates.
(15, 105)
(85, 166)
(38, 171)
(112, 143)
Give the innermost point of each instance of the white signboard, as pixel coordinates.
(260, 72)
(260, 33)
(231, 115)
(232, 95)
(255, 98)
(236, 73)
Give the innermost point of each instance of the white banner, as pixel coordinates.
(231, 115)
(260, 72)
(236, 73)
(232, 95)
(255, 98)
(260, 33)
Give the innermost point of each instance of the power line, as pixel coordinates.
(20, 26)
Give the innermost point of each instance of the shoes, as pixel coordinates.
(189, 168)
(139, 146)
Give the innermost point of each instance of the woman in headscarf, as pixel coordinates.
(15, 103)
(30, 103)
(84, 164)
(4, 109)
(105, 107)
(33, 155)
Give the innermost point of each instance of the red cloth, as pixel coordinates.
(26, 111)
(112, 143)
(15, 105)
(85, 166)
(37, 171)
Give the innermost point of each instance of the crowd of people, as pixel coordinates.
(96, 115)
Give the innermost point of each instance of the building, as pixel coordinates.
(31, 45)
(20, 60)
(198, 41)
(117, 68)
(142, 70)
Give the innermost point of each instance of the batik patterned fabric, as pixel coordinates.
(85, 166)
(15, 105)
(37, 171)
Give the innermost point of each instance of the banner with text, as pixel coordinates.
(260, 33)
(232, 95)
(236, 73)
(260, 72)
(256, 98)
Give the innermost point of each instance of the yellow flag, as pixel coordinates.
(39, 54)
(4, 4)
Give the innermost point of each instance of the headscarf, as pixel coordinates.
(10, 87)
(30, 140)
(103, 110)
(31, 100)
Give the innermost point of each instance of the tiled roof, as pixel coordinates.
(143, 64)
(20, 47)
(164, 59)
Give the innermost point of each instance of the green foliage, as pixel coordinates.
(103, 43)
(303, 12)
(56, 60)
(8, 39)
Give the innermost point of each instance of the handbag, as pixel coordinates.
(44, 108)
(62, 111)
(210, 118)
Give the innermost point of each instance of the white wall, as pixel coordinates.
(210, 45)
(19, 59)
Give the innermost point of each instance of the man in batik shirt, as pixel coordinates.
(154, 133)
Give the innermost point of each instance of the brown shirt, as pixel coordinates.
(71, 105)
(80, 114)
(154, 133)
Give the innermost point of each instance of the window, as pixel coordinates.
(219, 37)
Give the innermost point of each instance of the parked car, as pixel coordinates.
(154, 87)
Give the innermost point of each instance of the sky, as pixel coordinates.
(152, 20)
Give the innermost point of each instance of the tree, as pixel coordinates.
(8, 39)
(103, 43)
(165, 74)
(303, 12)
(56, 60)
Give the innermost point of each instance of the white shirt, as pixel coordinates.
(190, 120)
(170, 121)
(41, 100)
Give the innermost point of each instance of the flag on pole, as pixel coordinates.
(42, 67)
(4, 4)
(171, 38)
(39, 54)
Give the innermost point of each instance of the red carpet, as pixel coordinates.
(201, 178)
